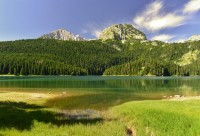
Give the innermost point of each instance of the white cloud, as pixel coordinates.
(153, 18)
(93, 29)
(169, 20)
(84, 31)
(96, 33)
(180, 40)
(163, 37)
(192, 6)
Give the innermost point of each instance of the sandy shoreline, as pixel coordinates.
(26, 96)
(41, 97)
(181, 97)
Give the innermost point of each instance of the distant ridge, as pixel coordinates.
(62, 34)
(194, 38)
(122, 32)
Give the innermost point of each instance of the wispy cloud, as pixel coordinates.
(94, 29)
(153, 18)
(163, 37)
(192, 6)
(180, 40)
(97, 33)
(84, 31)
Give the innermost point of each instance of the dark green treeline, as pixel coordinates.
(55, 57)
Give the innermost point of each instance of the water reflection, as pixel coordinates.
(98, 92)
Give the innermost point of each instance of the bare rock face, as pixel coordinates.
(62, 34)
(79, 38)
(194, 38)
(122, 32)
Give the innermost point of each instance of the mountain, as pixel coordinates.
(122, 32)
(194, 38)
(127, 53)
(62, 34)
(79, 38)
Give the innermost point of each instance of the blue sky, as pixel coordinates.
(166, 20)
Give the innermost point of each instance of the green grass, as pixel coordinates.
(22, 119)
(42, 129)
(159, 118)
(162, 118)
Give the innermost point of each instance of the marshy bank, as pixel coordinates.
(104, 106)
(145, 118)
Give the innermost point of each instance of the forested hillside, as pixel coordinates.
(134, 57)
(161, 59)
(55, 57)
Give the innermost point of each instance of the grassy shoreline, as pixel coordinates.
(149, 75)
(161, 117)
(28, 116)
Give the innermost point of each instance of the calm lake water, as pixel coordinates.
(97, 92)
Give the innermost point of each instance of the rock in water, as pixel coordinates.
(122, 32)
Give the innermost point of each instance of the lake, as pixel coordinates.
(101, 92)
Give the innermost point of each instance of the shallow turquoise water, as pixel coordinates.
(99, 92)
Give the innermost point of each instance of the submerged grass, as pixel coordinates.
(21, 119)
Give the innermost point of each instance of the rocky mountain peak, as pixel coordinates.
(62, 34)
(122, 32)
(194, 38)
(79, 38)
